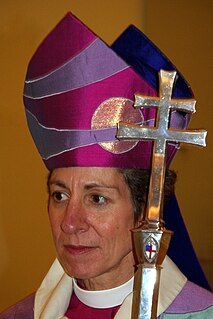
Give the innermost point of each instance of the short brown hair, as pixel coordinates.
(138, 183)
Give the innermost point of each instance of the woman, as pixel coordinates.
(77, 90)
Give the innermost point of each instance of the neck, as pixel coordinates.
(113, 278)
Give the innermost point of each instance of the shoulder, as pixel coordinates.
(192, 300)
(22, 310)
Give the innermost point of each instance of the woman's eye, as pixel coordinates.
(98, 199)
(59, 196)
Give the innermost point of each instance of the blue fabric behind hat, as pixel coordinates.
(146, 59)
(181, 250)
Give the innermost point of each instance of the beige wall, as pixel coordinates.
(25, 239)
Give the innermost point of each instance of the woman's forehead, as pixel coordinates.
(99, 175)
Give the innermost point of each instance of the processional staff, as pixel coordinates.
(152, 239)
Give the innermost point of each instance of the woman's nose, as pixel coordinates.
(75, 218)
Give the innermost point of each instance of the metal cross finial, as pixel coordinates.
(161, 134)
(152, 239)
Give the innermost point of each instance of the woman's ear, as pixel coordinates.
(140, 219)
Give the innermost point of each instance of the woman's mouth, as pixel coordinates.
(78, 249)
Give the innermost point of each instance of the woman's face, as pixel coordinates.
(91, 215)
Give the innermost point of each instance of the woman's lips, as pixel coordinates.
(78, 250)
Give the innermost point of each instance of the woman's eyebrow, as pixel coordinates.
(99, 185)
(57, 183)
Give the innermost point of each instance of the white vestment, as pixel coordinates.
(53, 297)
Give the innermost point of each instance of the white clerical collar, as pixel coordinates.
(104, 298)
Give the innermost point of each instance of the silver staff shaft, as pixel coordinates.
(151, 245)
(146, 278)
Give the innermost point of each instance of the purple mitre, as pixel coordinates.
(76, 91)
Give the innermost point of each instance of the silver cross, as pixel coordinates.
(161, 134)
